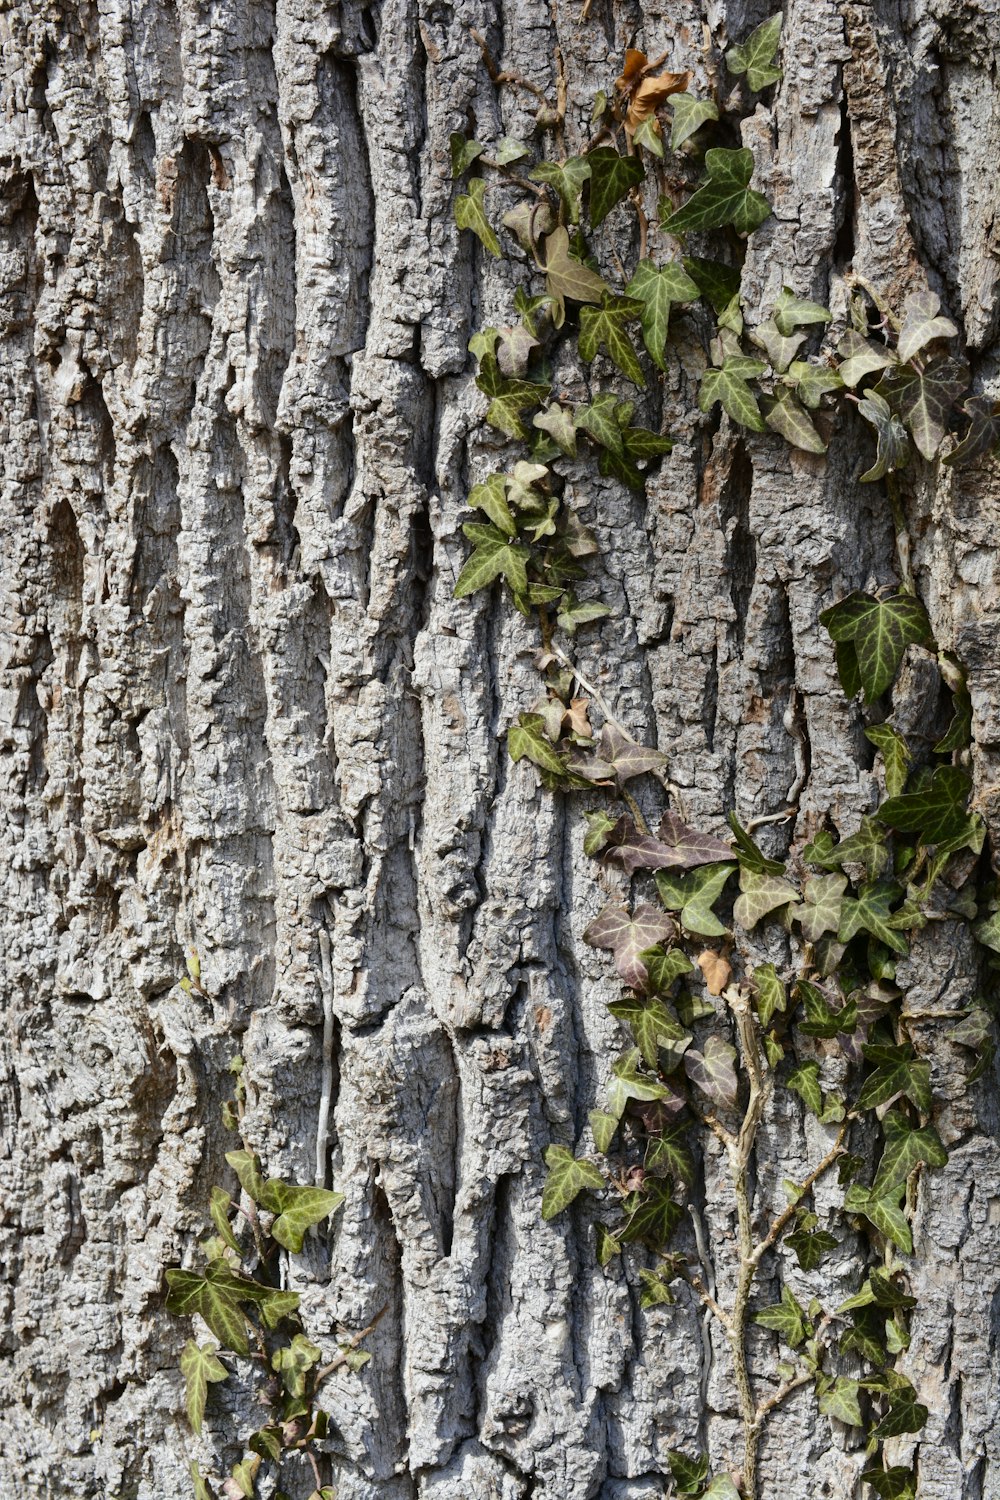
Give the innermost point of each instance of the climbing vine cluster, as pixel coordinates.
(708, 1060)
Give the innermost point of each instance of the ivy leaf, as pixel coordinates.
(884, 1211)
(690, 846)
(510, 150)
(870, 912)
(247, 1169)
(895, 1483)
(653, 1026)
(611, 178)
(813, 382)
(220, 1204)
(895, 755)
(791, 312)
(867, 847)
(509, 397)
(959, 732)
(841, 1401)
(491, 497)
(688, 1474)
(567, 179)
(749, 855)
(199, 1365)
(463, 153)
(924, 398)
(668, 1152)
(779, 347)
(526, 740)
(810, 1246)
(714, 1071)
(647, 133)
(628, 935)
(771, 994)
(629, 1082)
(880, 631)
(689, 115)
(983, 434)
(494, 556)
(267, 1441)
(725, 198)
(905, 1147)
(822, 898)
(921, 324)
(637, 851)
(625, 757)
(786, 1317)
(600, 826)
(216, 1298)
(821, 1018)
(721, 1488)
(567, 1177)
(665, 966)
(655, 1216)
(602, 421)
(470, 213)
(897, 1071)
(529, 223)
(717, 282)
(892, 445)
(603, 1127)
(607, 1244)
(784, 415)
(755, 56)
(658, 288)
(565, 275)
(606, 326)
(702, 888)
(297, 1209)
(293, 1363)
(558, 422)
(759, 895)
(860, 358)
(878, 1290)
(905, 1414)
(804, 1079)
(936, 811)
(729, 386)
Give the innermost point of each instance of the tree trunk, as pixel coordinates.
(242, 711)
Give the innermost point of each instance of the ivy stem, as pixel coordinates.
(781, 1222)
(341, 1358)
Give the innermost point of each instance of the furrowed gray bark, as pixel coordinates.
(241, 710)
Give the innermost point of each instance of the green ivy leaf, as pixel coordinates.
(247, 1169)
(216, 1298)
(491, 497)
(729, 386)
(199, 1366)
(791, 312)
(786, 1317)
(859, 357)
(611, 178)
(880, 631)
(810, 1246)
(892, 444)
(470, 213)
(759, 895)
(567, 1177)
(905, 1147)
(668, 1152)
(494, 556)
(983, 433)
(921, 324)
(924, 399)
(606, 326)
(821, 1018)
(628, 1081)
(779, 347)
(717, 282)
(822, 900)
(628, 935)
(867, 847)
(202, 1489)
(463, 153)
(655, 1216)
(566, 276)
(713, 1070)
(647, 134)
(755, 56)
(510, 150)
(905, 1414)
(895, 1483)
(804, 1079)
(936, 812)
(689, 115)
(841, 1402)
(688, 1474)
(526, 740)
(870, 912)
(813, 382)
(749, 855)
(771, 994)
(895, 755)
(568, 179)
(959, 732)
(653, 1026)
(293, 1363)
(267, 1441)
(244, 1474)
(658, 288)
(655, 1289)
(297, 1209)
(702, 888)
(665, 967)
(603, 1127)
(897, 1071)
(220, 1205)
(784, 415)
(607, 1245)
(884, 1211)
(721, 1488)
(600, 826)
(725, 197)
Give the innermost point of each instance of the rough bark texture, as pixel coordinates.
(241, 708)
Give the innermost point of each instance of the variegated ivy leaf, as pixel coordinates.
(494, 556)
(647, 134)
(983, 433)
(625, 758)
(786, 1317)
(509, 150)
(611, 178)
(905, 1148)
(607, 1245)
(600, 826)
(713, 1070)
(813, 382)
(841, 1401)
(568, 179)
(729, 386)
(293, 1362)
(526, 740)
(688, 1474)
(654, 1289)
(924, 399)
(892, 445)
(665, 966)
(690, 846)
(804, 1079)
(658, 288)
(755, 55)
(819, 912)
(771, 995)
(491, 497)
(896, 755)
(791, 312)
(654, 1216)
(628, 1081)
(653, 1028)
(627, 935)
(921, 324)
(558, 422)
(759, 895)
(859, 357)
(749, 855)
(603, 1127)
(936, 811)
(199, 1366)
(567, 1177)
(637, 851)
(669, 1153)
(897, 1070)
(895, 1483)
(867, 847)
(463, 153)
(780, 348)
(784, 415)
(725, 197)
(470, 213)
(689, 115)
(879, 631)
(566, 276)
(606, 326)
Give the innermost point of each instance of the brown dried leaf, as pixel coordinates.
(716, 970)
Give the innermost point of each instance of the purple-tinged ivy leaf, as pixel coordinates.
(627, 935)
(714, 1071)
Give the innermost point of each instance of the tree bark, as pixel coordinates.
(242, 711)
